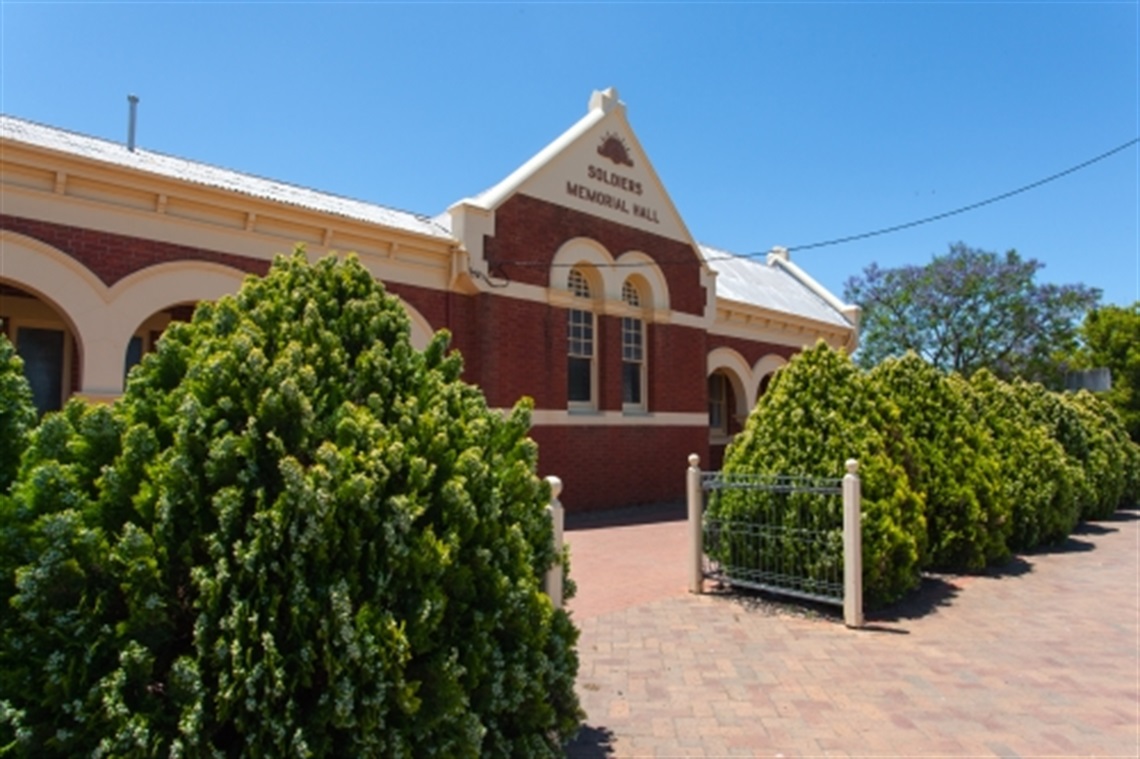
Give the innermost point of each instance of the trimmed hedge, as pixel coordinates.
(956, 473)
(293, 535)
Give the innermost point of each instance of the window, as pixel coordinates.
(134, 354)
(42, 352)
(632, 352)
(580, 353)
(718, 416)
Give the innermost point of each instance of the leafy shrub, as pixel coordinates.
(1109, 463)
(954, 465)
(17, 414)
(1035, 476)
(293, 535)
(1064, 424)
(818, 412)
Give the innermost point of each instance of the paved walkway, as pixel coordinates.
(1039, 659)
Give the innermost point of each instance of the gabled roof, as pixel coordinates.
(597, 167)
(105, 151)
(773, 286)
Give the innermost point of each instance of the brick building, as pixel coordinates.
(574, 281)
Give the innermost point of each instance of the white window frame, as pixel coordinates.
(634, 349)
(582, 314)
(718, 433)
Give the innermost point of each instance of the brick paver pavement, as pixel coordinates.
(1039, 659)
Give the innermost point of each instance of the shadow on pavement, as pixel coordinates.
(628, 516)
(591, 743)
(1071, 544)
(933, 594)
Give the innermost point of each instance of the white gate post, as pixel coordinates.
(852, 547)
(696, 507)
(557, 517)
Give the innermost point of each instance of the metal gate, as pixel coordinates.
(795, 536)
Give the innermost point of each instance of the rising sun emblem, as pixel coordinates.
(613, 148)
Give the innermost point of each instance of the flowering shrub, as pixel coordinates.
(294, 535)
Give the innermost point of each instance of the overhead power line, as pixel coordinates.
(963, 209)
(875, 233)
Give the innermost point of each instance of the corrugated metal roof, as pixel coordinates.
(75, 144)
(756, 283)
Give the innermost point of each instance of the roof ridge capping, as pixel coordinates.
(780, 257)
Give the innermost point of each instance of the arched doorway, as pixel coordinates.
(46, 342)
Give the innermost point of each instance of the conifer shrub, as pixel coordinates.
(293, 536)
(1064, 423)
(955, 465)
(1035, 479)
(17, 413)
(1109, 464)
(819, 411)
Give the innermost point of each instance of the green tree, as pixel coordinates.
(969, 309)
(294, 535)
(1110, 337)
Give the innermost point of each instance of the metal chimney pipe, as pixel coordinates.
(134, 101)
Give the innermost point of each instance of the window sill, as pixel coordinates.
(582, 410)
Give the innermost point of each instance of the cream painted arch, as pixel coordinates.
(103, 319)
(421, 333)
(69, 286)
(739, 374)
(635, 263)
(137, 297)
(607, 274)
(595, 261)
(764, 367)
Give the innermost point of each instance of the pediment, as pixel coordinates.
(597, 167)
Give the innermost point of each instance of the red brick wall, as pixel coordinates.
(528, 232)
(112, 257)
(607, 467)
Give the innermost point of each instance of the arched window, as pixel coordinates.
(580, 352)
(632, 352)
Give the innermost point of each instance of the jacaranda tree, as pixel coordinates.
(967, 310)
(293, 536)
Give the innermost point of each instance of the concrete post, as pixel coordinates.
(696, 533)
(852, 547)
(557, 518)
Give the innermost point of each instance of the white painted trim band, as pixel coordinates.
(564, 418)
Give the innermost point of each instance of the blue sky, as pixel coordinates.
(769, 123)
